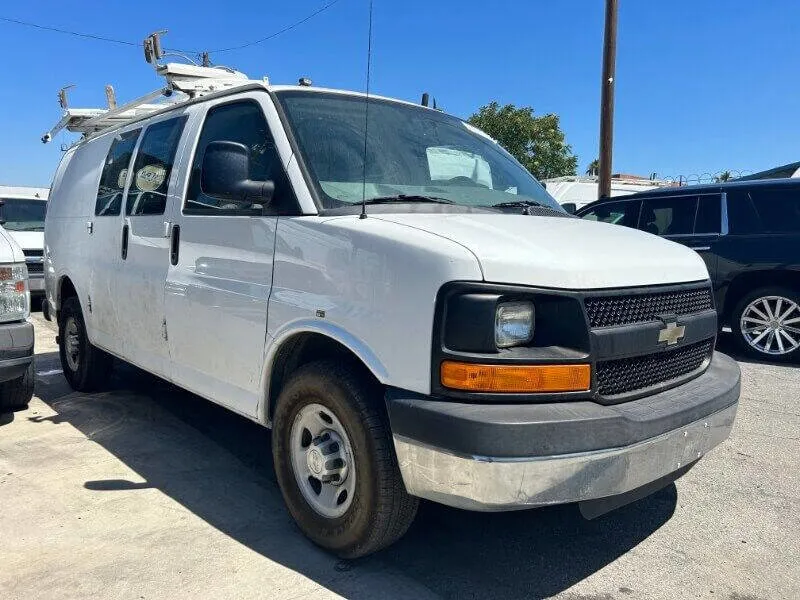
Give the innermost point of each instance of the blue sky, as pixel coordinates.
(701, 86)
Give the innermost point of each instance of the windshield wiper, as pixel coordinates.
(408, 198)
(518, 204)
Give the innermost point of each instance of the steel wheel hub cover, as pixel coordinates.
(322, 460)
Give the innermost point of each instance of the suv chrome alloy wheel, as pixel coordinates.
(771, 325)
(72, 344)
(322, 461)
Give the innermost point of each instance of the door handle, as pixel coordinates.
(175, 241)
(125, 241)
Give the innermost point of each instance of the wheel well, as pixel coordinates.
(301, 349)
(66, 289)
(746, 282)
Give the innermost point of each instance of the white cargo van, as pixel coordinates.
(22, 212)
(16, 332)
(392, 293)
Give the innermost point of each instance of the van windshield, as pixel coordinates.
(412, 152)
(22, 215)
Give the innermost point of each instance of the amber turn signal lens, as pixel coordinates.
(518, 379)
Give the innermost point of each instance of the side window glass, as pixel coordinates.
(115, 174)
(742, 216)
(619, 213)
(147, 194)
(668, 216)
(778, 209)
(709, 215)
(244, 123)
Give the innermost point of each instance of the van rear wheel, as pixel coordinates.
(86, 367)
(335, 461)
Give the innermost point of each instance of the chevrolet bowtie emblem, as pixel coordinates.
(671, 333)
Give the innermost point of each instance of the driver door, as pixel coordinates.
(220, 271)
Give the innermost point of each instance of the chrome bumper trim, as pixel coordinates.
(490, 484)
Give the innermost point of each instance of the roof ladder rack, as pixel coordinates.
(190, 81)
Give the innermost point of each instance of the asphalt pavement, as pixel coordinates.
(145, 491)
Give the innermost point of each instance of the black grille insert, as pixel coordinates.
(609, 311)
(35, 267)
(622, 376)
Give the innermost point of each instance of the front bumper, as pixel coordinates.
(503, 457)
(16, 349)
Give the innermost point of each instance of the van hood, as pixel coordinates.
(28, 240)
(557, 252)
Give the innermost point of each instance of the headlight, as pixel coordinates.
(513, 324)
(15, 301)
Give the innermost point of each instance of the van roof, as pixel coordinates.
(238, 87)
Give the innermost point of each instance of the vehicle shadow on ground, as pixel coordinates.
(219, 466)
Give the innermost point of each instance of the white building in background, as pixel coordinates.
(581, 190)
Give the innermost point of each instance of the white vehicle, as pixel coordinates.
(16, 332)
(425, 323)
(575, 192)
(22, 212)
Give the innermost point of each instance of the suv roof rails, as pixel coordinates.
(188, 81)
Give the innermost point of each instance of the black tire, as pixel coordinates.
(381, 510)
(736, 323)
(15, 394)
(92, 366)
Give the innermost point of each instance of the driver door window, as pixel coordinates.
(242, 122)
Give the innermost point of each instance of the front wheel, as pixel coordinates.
(17, 393)
(335, 462)
(86, 367)
(766, 323)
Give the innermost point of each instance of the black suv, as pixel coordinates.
(748, 233)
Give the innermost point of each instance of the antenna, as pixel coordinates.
(366, 117)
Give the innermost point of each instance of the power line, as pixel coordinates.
(90, 36)
(101, 38)
(320, 10)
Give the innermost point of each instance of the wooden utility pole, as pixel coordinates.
(607, 99)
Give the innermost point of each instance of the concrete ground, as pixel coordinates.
(148, 492)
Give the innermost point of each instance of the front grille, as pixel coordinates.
(625, 375)
(608, 311)
(35, 267)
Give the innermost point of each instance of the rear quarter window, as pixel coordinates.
(778, 209)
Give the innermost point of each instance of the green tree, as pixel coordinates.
(724, 176)
(537, 142)
(594, 167)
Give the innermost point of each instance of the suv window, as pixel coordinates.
(778, 209)
(668, 216)
(742, 216)
(115, 174)
(151, 170)
(241, 122)
(709, 215)
(624, 212)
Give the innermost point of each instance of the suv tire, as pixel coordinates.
(780, 338)
(17, 393)
(355, 431)
(86, 367)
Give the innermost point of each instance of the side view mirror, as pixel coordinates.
(226, 175)
(570, 207)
